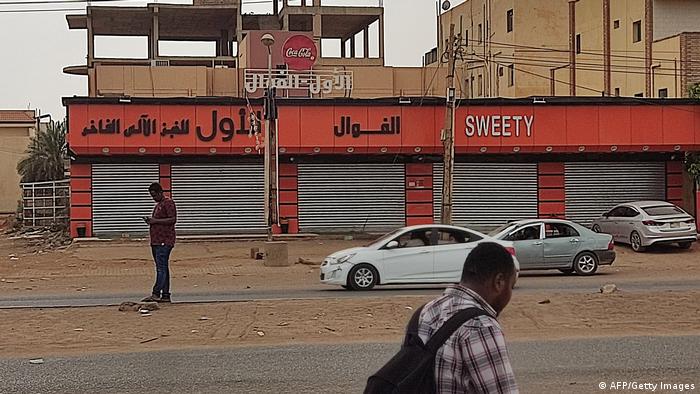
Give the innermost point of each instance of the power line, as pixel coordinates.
(507, 45)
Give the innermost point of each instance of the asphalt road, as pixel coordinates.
(528, 283)
(573, 366)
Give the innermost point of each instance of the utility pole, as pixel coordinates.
(448, 132)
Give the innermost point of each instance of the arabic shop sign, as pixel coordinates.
(299, 52)
(315, 82)
(347, 127)
(499, 125)
(222, 126)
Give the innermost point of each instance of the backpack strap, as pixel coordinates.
(451, 325)
(415, 320)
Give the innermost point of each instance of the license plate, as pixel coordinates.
(675, 225)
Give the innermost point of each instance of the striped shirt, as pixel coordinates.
(474, 359)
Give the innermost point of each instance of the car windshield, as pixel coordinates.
(501, 229)
(663, 210)
(385, 237)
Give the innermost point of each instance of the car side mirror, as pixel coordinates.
(392, 245)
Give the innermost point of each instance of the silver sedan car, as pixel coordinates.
(644, 223)
(544, 244)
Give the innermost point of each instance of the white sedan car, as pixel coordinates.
(418, 254)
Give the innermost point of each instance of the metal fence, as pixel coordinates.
(45, 203)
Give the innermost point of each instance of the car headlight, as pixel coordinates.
(343, 259)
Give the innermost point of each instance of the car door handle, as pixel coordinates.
(423, 252)
(574, 241)
(538, 243)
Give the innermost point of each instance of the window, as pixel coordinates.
(616, 24)
(637, 31)
(481, 34)
(450, 237)
(663, 210)
(509, 21)
(466, 37)
(578, 43)
(639, 94)
(414, 239)
(617, 92)
(471, 87)
(616, 213)
(559, 230)
(528, 233)
(628, 212)
(511, 75)
(663, 93)
(481, 85)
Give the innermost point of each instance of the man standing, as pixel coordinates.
(474, 359)
(162, 234)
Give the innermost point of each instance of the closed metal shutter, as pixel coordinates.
(487, 195)
(120, 197)
(219, 198)
(351, 197)
(593, 188)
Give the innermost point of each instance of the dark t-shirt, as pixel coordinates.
(163, 234)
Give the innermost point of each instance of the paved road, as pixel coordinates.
(573, 366)
(529, 283)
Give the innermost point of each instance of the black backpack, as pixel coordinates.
(412, 369)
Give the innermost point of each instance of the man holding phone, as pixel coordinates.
(162, 234)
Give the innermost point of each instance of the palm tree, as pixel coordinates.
(45, 155)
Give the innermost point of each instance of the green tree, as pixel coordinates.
(45, 155)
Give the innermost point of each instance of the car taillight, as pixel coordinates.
(611, 245)
(511, 250)
(651, 223)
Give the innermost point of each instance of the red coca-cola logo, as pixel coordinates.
(299, 52)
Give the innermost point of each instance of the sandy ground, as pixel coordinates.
(45, 332)
(127, 267)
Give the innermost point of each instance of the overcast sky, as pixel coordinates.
(36, 46)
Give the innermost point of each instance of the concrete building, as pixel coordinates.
(359, 142)
(17, 127)
(642, 48)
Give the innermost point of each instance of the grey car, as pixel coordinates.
(644, 223)
(544, 244)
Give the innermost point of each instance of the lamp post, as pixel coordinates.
(271, 162)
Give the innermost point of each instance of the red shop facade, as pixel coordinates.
(351, 165)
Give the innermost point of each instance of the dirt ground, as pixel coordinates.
(49, 332)
(127, 267)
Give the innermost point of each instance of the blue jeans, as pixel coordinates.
(161, 255)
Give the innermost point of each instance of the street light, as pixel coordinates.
(271, 143)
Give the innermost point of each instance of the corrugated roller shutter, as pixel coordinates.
(593, 188)
(219, 198)
(120, 197)
(351, 197)
(487, 195)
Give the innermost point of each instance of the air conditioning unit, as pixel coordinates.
(160, 63)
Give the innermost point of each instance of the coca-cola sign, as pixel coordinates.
(299, 52)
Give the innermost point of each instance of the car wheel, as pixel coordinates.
(586, 263)
(636, 242)
(685, 245)
(566, 271)
(363, 277)
(596, 228)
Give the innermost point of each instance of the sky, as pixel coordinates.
(36, 47)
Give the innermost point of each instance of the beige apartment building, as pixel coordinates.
(643, 48)
(16, 129)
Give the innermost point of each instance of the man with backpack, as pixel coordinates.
(454, 344)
